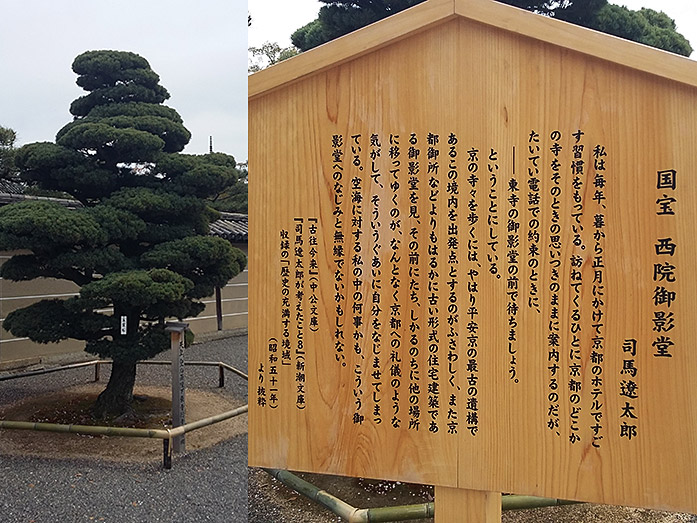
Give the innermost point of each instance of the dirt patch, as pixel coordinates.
(71, 406)
(271, 501)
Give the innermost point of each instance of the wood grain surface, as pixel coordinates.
(470, 266)
(466, 506)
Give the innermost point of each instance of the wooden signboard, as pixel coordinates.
(471, 265)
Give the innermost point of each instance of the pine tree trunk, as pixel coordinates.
(117, 398)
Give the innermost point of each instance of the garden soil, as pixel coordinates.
(152, 406)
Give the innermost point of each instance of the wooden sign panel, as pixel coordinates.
(472, 265)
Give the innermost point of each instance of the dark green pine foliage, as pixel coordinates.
(339, 17)
(645, 26)
(233, 199)
(139, 247)
(7, 152)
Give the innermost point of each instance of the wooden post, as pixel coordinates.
(176, 330)
(467, 506)
(219, 308)
(166, 454)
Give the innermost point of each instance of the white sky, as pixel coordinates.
(197, 48)
(275, 20)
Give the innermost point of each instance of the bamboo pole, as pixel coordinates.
(337, 506)
(234, 371)
(96, 430)
(208, 421)
(426, 510)
(198, 363)
(92, 430)
(48, 371)
(396, 513)
(97, 363)
(524, 502)
(165, 435)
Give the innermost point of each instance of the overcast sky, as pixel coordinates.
(275, 20)
(199, 49)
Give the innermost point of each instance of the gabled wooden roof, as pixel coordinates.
(434, 12)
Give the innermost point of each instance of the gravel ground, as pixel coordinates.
(206, 485)
(270, 502)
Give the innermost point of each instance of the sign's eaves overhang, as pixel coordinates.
(431, 13)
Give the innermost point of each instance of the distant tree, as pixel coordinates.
(233, 200)
(645, 26)
(7, 152)
(139, 248)
(339, 17)
(234, 197)
(268, 54)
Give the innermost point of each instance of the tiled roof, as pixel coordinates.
(12, 192)
(7, 198)
(10, 187)
(231, 226)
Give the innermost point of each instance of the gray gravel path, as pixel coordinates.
(207, 485)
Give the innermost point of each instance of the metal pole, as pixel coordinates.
(166, 454)
(221, 376)
(97, 368)
(219, 308)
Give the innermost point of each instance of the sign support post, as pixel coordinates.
(463, 505)
(177, 330)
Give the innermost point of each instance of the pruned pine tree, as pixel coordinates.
(139, 247)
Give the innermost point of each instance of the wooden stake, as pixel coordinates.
(467, 506)
(177, 331)
(219, 308)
